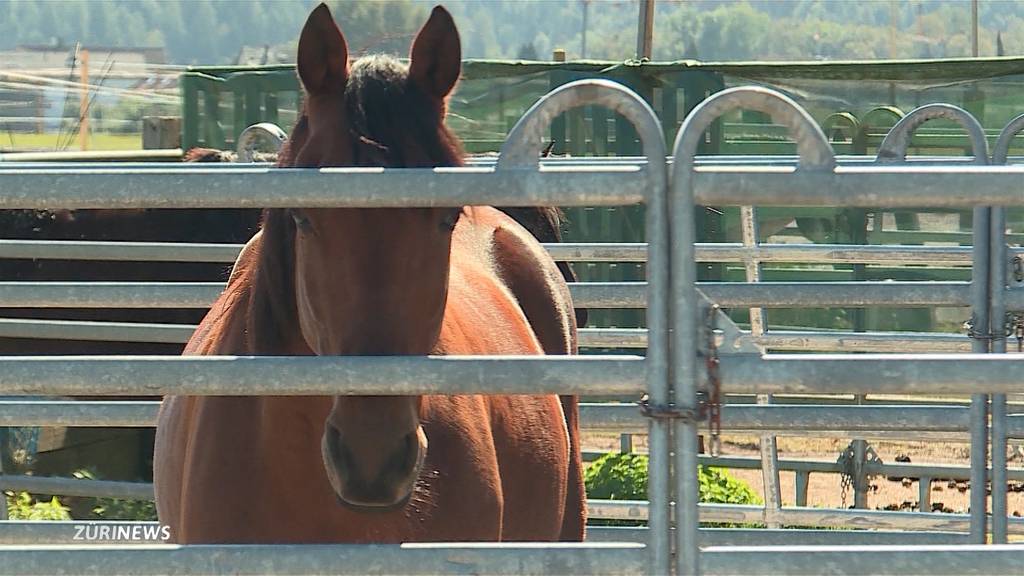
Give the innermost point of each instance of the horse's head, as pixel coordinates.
(373, 281)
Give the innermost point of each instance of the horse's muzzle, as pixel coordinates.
(385, 487)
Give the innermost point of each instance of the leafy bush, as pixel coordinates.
(617, 476)
(719, 487)
(116, 508)
(21, 506)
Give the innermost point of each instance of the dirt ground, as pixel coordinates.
(825, 489)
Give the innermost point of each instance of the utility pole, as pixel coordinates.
(645, 30)
(974, 28)
(893, 15)
(583, 32)
(83, 103)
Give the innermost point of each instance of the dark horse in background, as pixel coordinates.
(401, 281)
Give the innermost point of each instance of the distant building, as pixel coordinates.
(35, 96)
(266, 54)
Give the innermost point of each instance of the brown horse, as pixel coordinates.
(378, 282)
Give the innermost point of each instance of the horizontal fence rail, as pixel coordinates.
(568, 252)
(872, 373)
(874, 421)
(319, 375)
(21, 533)
(447, 558)
(321, 188)
(584, 294)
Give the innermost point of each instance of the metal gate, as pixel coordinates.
(688, 365)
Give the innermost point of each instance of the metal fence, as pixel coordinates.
(672, 539)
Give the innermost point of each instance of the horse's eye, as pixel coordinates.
(451, 218)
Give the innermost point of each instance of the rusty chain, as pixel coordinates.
(709, 403)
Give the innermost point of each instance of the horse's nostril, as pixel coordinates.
(404, 458)
(339, 451)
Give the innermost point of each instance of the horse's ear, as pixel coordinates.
(323, 54)
(436, 58)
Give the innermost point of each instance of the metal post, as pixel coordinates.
(979, 402)
(803, 481)
(583, 30)
(758, 325)
(860, 477)
(645, 30)
(924, 494)
(626, 443)
(974, 28)
(997, 304)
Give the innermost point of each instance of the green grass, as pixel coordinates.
(22, 142)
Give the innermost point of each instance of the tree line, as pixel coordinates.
(213, 31)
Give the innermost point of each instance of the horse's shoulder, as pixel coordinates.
(533, 278)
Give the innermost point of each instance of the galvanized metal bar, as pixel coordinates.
(180, 333)
(567, 252)
(836, 254)
(204, 294)
(164, 155)
(939, 560)
(488, 160)
(924, 493)
(997, 312)
(800, 417)
(613, 337)
(80, 413)
(842, 341)
(981, 225)
(264, 187)
(830, 466)
(22, 533)
(815, 154)
(584, 294)
(779, 340)
(767, 537)
(76, 487)
(836, 294)
(939, 423)
(861, 186)
(122, 251)
(270, 375)
(109, 294)
(521, 149)
(758, 325)
(95, 331)
(598, 252)
(999, 257)
(870, 373)
(361, 559)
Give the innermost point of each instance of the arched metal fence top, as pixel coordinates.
(522, 150)
(522, 145)
(249, 139)
(811, 144)
(878, 112)
(1002, 148)
(841, 121)
(893, 148)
